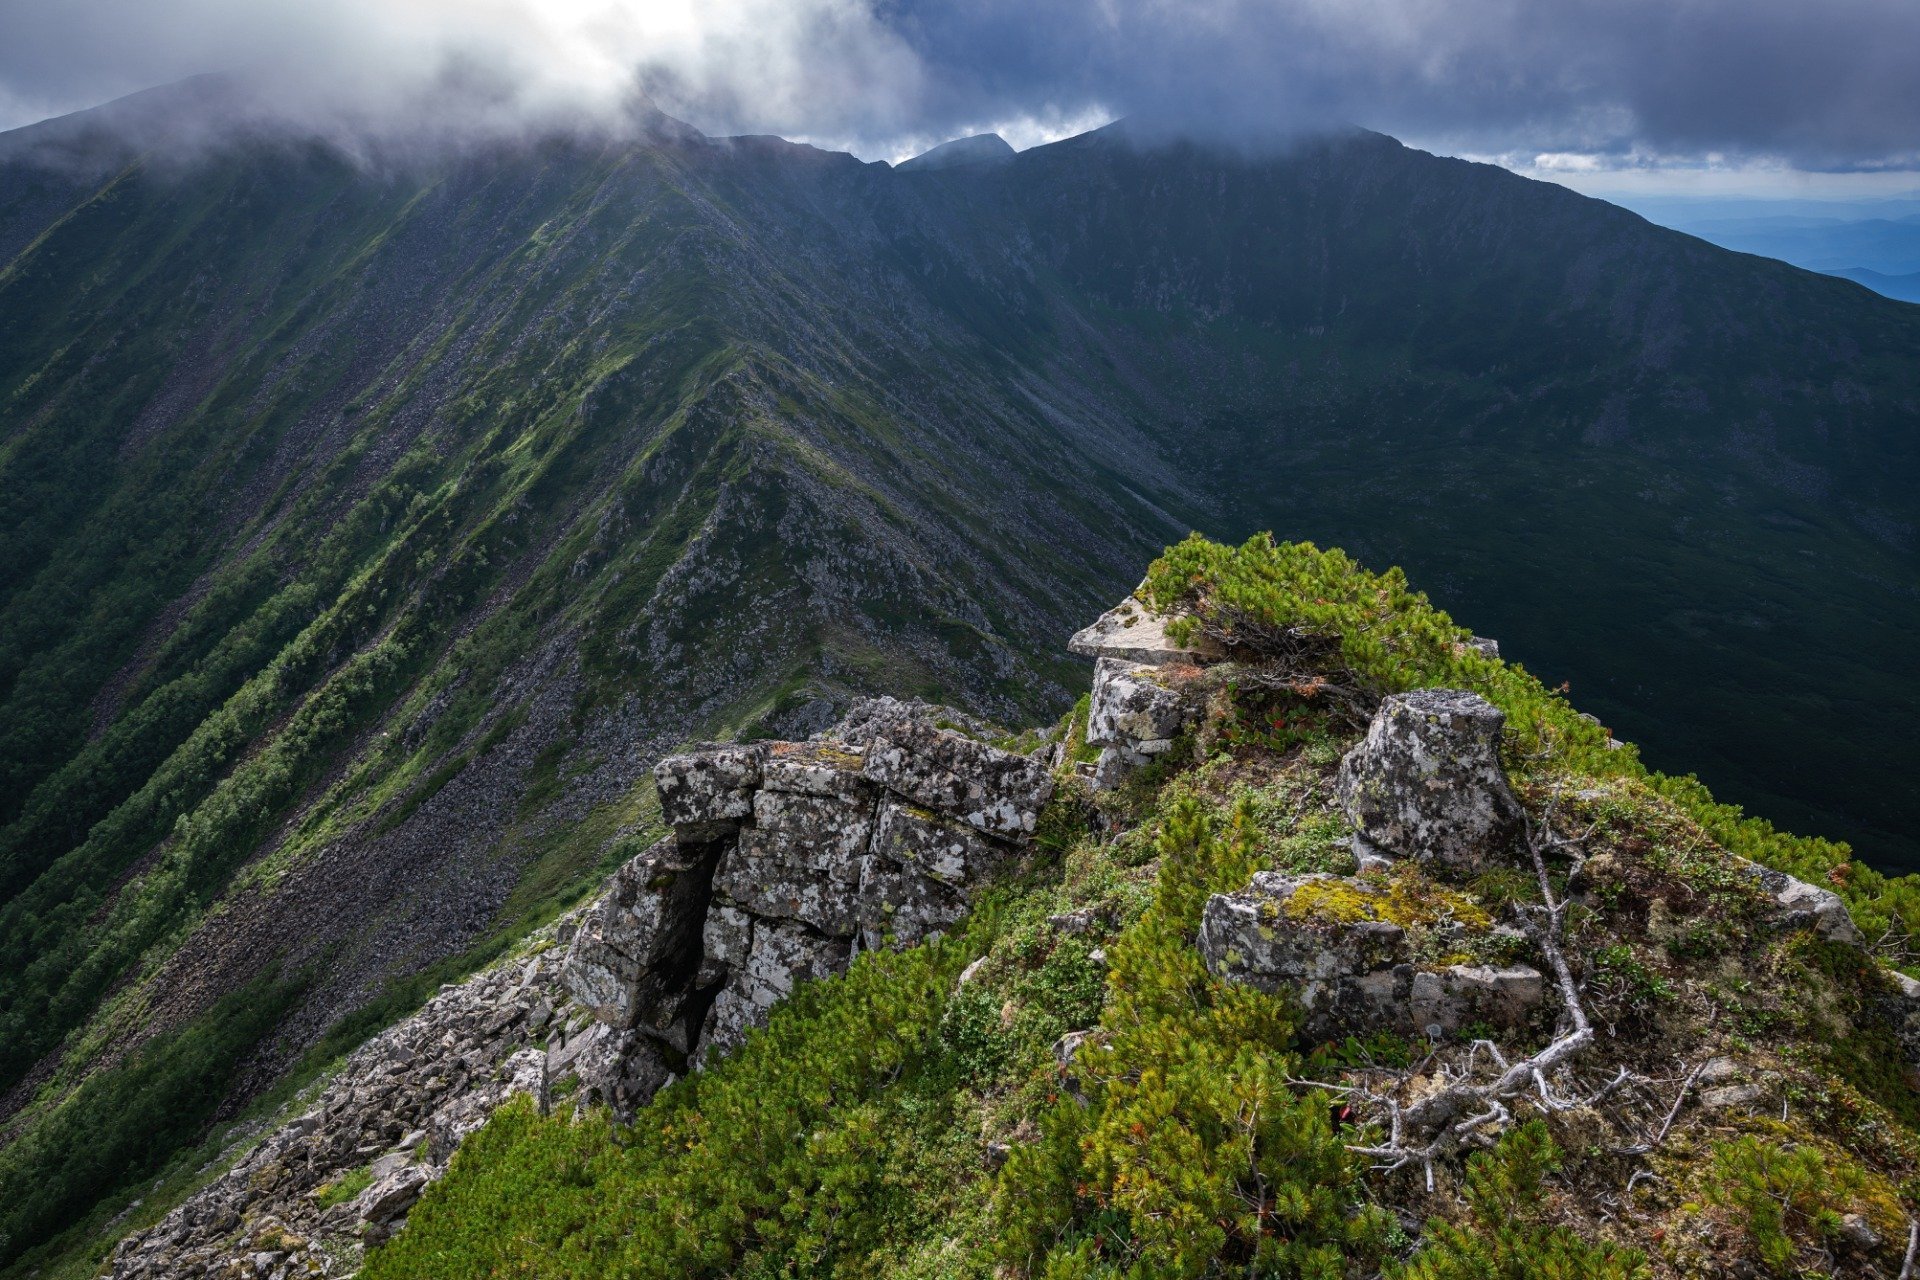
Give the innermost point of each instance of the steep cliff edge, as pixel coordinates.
(1318, 941)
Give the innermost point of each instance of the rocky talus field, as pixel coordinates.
(1316, 941)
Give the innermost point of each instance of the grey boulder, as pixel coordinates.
(1427, 782)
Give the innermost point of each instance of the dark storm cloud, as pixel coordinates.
(1820, 85)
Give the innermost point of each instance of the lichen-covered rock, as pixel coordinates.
(995, 791)
(708, 790)
(631, 949)
(782, 955)
(1799, 905)
(1133, 703)
(818, 832)
(771, 888)
(1322, 939)
(1427, 782)
(935, 846)
(1131, 632)
(829, 769)
(899, 907)
(800, 860)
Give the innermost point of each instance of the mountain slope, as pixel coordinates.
(371, 528)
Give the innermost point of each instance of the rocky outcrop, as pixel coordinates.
(1427, 783)
(1131, 632)
(1135, 713)
(787, 859)
(872, 835)
(1331, 942)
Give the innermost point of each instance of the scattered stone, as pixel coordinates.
(1718, 1071)
(1727, 1097)
(1427, 782)
(1805, 906)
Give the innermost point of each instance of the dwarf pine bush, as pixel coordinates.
(1265, 597)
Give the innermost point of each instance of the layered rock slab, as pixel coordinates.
(1323, 939)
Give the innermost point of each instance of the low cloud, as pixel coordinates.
(1829, 86)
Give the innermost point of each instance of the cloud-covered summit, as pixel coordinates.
(1829, 85)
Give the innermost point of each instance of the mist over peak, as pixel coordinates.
(1833, 87)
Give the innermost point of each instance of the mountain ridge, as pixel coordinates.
(387, 523)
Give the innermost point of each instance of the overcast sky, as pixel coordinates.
(1788, 95)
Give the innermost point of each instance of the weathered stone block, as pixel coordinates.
(995, 791)
(783, 955)
(710, 787)
(818, 833)
(1427, 782)
(770, 887)
(899, 907)
(1134, 704)
(935, 846)
(828, 769)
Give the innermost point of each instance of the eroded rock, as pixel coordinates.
(992, 790)
(1427, 782)
(1131, 632)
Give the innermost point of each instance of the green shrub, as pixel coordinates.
(1190, 1149)
(1783, 1197)
(1326, 615)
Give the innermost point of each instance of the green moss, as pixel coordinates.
(344, 1188)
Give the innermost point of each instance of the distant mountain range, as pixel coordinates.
(1875, 243)
(369, 528)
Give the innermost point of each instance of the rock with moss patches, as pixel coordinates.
(991, 790)
(1322, 938)
(631, 949)
(1427, 782)
(709, 790)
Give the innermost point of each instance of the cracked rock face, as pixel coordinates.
(632, 943)
(1427, 783)
(709, 790)
(1350, 976)
(991, 790)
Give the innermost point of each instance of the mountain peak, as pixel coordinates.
(980, 148)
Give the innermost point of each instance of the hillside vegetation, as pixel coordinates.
(368, 529)
(917, 1118)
